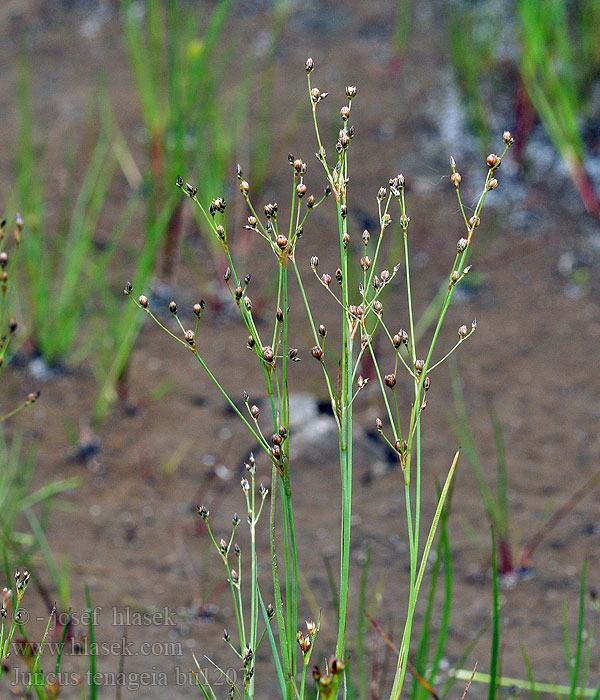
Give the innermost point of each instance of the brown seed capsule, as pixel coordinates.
(199, 307)
(462, 331)
(343, 211)
(33, 397)
(276, 439)
(379, 425)
(492, 184)
(474, 222)
(223, 546)
(427, 383)
(252, 221)
(390, 380)
(317, 352)
(254, 411)
(338, 276)
(314, 262)
(301, 190)
(128, 289)
(173, 307)
(310, 201)
(3, 259)
(461, 245)
(456, 179)
(397, 341)
(419, 365)
(455, 277)
(326, 279)
(248, 303)
(508, 138)
(309, 65)
(12, 326)
(385, 276)
(346, 239)
(492, 160)
(238, 293)
(279, 315)
(268, 354)
(345, 112)
(365, 262)
(270, 610)
(143, 301)
(322, 330)
(244, 187)
(276, 452)
(404, 335)
(227, 274)
(381, 193)
(190, 337)
(336, 666)
(311, 627)
(315, 95)
(378, 307)
(351, 92)
(366, 236)
(250, 342)
(282, 241)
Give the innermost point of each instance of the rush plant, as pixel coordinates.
(361, 317)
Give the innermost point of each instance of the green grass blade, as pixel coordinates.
(576, 668)
(495, 652)
(532, 688)
(92, 642)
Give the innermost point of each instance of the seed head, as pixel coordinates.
(281, 241)
(379, 425)
(338, 276)
(492, 184)
(12, 326)
(351, 91)
(461, 245)
(455, 179)
(310, 201)
(309, 65)
(314, 262)
(317, 353)
(346, 239)
(378, 307)
(301, 190)
(508, 139)
(345, 112)
(244, 187)
(322, 330)
(492, 160)
(381, 194)
(203, 512)
(3, 259)
(252, 221)
(419, 365)
(326, 279)
(390, 380)
(143, 301)
(279, 315)
(173, 307)
(474, 222)
(427, 383)
(268, 354)
(190, 337)
(462, 331)
(254, 411)
(32, 397)
(198, 308)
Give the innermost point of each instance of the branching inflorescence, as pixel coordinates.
(8, 327)
(361, 317)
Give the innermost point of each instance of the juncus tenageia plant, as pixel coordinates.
(361, 318)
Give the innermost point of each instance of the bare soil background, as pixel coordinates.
(131, 529)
